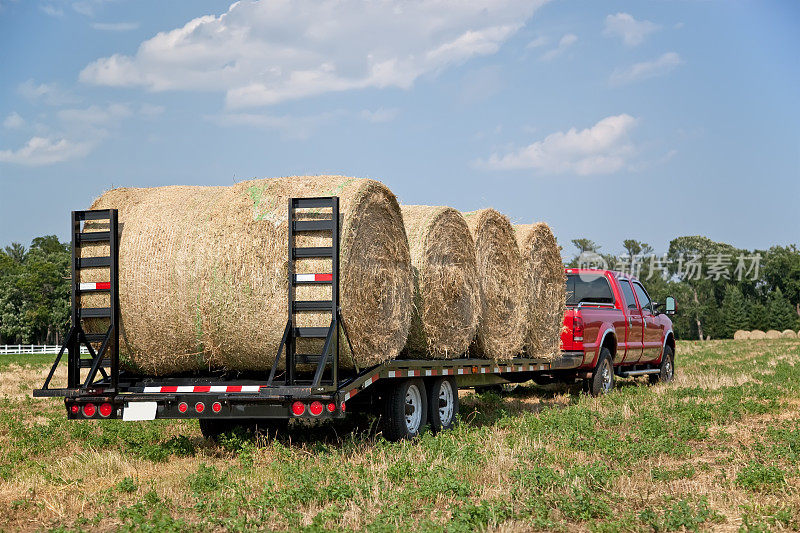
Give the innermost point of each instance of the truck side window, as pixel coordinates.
(588, 288)
(644, 299)
(627, 292)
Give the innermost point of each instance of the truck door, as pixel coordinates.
(634, 339)
(653, 330)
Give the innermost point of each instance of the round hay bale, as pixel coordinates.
(204, 272)
(501, 328)
(788, 334)
(773, 334)
(446, 292)
(758, 335)
(741, 335)
(545, 294)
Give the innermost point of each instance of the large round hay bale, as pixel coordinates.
(788, 334)
(446, 293)
(501, 328)
(204, 280)
(741, 335)
(545, 284)
(773, 334)
(758, 335)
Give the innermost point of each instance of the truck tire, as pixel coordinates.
(667, 368)
(443, 404)
(405, 410)
(602, 380)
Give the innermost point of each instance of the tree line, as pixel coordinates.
(719, 288)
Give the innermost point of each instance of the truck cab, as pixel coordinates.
(614, 328)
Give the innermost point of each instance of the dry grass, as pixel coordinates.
(717, 449)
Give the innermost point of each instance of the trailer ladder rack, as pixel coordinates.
(311, 216)
(105, 359)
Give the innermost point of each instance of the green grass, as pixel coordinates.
(717, 448)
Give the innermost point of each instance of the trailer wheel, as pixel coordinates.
(443, 404)
(667, 368)
(602, 380)
(405, 410)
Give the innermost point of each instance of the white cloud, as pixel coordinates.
(602, 149)
(261, 53)
(631, 31)
(50, 94)
(289, 126)
(96, 115)
(115, 26)
(563, 44)
(537, 43)
(646, 69)
(40, 151)
(13, 121)
(51, 10)
(380, 115)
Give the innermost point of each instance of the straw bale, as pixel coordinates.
(788, 334)
(773, 334)
(446, 292)
(758, 335)
(741, 335)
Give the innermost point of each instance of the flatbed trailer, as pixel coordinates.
(408, 393)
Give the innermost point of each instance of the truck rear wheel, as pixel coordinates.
(405, 410)
(443, 404)
(602, 380)
(667, 368)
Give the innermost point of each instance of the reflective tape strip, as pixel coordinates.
(313, 277)
(95, 286)
(371, 380)
(392, 374)
(460, 371)
(202, 388)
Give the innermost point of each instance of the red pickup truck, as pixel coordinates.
(613, 327)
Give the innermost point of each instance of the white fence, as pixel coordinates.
(32, 348)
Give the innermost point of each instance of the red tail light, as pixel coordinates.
(315, 408)
(331, 407)
(75, 408)
(577, 328)
(183, 407)
(89, 410)
(106, 409)
(298, 408)
(343, 407)
(199, 407)
(216, 407)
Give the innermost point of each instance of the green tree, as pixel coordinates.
(734, 312)
(781, 270)
(757, 314)
(585, 245)
(780, 313)
(634, 247)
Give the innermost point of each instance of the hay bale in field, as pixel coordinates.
(773, 334)
(758, 335)
(788, 334)
(741, 335)
(203, 272)
(501, 327)
(446, 292)
(545, 294)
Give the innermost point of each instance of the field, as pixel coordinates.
(717, 449)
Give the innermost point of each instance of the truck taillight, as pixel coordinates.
(89, 410)
(315, 408)
(105, 410)
(298, 408)
(577, 329)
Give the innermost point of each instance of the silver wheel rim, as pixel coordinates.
(668, 369)
(413, 404)
(445, 403)
(606, 376)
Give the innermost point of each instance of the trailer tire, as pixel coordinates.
(443, 404)
(602, 380)
(405, 410)
(667, 368)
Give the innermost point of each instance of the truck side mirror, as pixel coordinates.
(669, 305)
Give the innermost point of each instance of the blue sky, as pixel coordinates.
(608, 120)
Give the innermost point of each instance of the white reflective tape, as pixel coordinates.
(88, 286)
(460, 371)
(304, 277)
(347, 396)
(185, 388)
(251, 388)
(483, 370)
(152, 389)
(218, 388)
(427, 372)
(392, 373)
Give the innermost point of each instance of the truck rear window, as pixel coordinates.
(589, 288)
